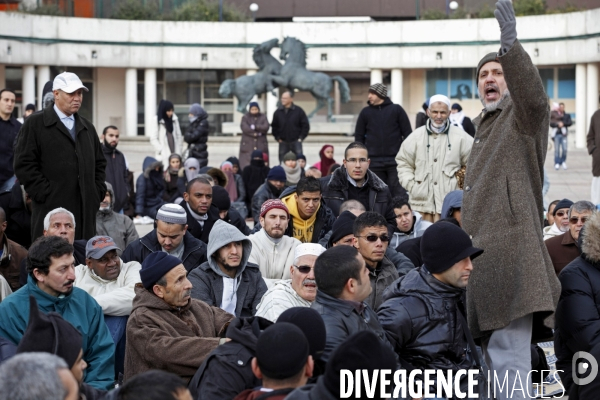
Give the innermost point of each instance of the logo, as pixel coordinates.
(584, 363)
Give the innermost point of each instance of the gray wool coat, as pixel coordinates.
(502, 206)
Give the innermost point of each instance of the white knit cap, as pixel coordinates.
(439, 98)
(310, 249)
(172, 213)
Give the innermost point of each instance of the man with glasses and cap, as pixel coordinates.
(561, 219)
(300, 291)
(59, 160)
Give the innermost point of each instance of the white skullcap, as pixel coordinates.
(439, 98)
(310, 249)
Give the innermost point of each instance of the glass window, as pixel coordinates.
(462, 83)
(87, 105)
(437, 82)
(566, 83)
(547, 75)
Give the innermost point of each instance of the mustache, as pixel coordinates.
(70, 282)
(187, 293)
(309, 282)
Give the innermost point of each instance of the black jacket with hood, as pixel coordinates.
(194, 227)
(207, 279)
(150, 186)
(262, 194)
(382, 129)
(227, 371)
(196, 135)
(116, 175)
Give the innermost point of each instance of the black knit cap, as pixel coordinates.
(342, 226)
(564, 203)
(221, 198)
(311, 324)
(50, 333)
(155, 266)
(363, 350)
(444, 244)
(281, 351)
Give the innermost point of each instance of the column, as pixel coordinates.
(397, 87)
(131, 116)
(271, 104)
(28, 86)
(150, 104)
(580, 105)
(43, 76)
(376, 76)
(592, 93)
(2, 77)
(337, 98)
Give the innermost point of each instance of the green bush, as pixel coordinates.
(205, 10)
(433, 14)
(46, 9)
(529, 7)
(136, 10)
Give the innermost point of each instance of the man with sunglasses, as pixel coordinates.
(565, 248)
(371, 240)
(561, 219)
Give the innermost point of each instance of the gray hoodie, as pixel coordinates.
(209, 280)
(118, 226)
(452, 201)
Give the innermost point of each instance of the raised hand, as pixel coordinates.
(505, 14)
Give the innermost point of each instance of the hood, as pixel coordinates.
(149, 164)
(110, 191)
(588, 239)
(339, 180)
(222, 234)
(452, 200)
(245, 331)
(386, 102)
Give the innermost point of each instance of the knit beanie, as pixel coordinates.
(172, 213)
(363, 351)
(271, 204)
(253, 104)
(196, 109)
(257, 154)
(444, 244)
(301, 157)
(379, 89)
(281, 351)
(311, 324)
(342, 227)
(50, 333)
(486, 59)
(290, 156)
(277, 173)
(221, 198)
(564, 203)
(155, 266)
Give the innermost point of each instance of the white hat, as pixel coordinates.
(68, 82)
(308, 249)
(439, 98)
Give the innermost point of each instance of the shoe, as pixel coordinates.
(137, 221)
(147, 220)
(557, 166)
(564, 165)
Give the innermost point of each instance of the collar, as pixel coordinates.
(11, 120)
(353, 182)
(568, 239)
(62, 115)
(359, 307)
(272, 240)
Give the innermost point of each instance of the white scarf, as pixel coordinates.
(198, 217)
(457, 119)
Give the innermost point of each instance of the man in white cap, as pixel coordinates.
(300, 291)
(430, 158)
(59, 160)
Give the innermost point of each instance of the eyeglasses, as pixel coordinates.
(560, 213)
(304, 269)
(574, 220)
(373, 238)
(357, 160)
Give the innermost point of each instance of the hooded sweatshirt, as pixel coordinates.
(303, 228)
(240, 294)
(118, 226)
(452, 201)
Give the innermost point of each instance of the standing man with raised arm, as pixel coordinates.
(513, 286)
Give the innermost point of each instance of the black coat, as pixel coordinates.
(194, 252)
(196, 135)
(116, 175)
(149, 187)
(382, 129)
(291, 125)
(18, 216)
(253, 176)
(234, 218)
(419, 318)
(262, 194)
(227, 371)
(468, 126)
(411, 248)
(342, 320)
(194, 227)
(60, 172)
(8, 133)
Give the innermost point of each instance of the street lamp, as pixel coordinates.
(253, 8)
(450, 5)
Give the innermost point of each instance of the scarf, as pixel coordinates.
(303, 228)
(292, 175)
(189, 163)
(457, 119)
(276, 192)
(197, 217)
(435, 129)
(326, 163)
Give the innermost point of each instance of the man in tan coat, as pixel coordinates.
(513, 284)
(167, 329)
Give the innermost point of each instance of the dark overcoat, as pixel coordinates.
(60, 172)
(502, 205)
(249, 141)
(593, 142)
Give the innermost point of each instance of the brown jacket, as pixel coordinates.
(249, 142)
(562, 249)
(10, 262)
(593, 142)
(502, 206)
(176, 340)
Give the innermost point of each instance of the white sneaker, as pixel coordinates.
(564, 165)
(147, 220)
(557, 166)
(137, 221)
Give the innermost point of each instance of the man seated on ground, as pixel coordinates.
(310, 219)
(271, 189)
(561, 219)
(282, 362)
(422, 339)
(452, 205)
(51, 270)
(355, 207)
(154, 385)
(227, 280)
(110, 223)
(371, 239)
(168, 329)
(342, 277)
(272, 249)
(564, 248)
(227, 213)
(300, 291)
(409, 224)
(171, 236)
(197, 203)
(11, 255)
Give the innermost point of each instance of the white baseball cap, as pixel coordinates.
(311, 249)
(68, 82)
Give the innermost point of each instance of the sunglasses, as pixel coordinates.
(574, 220)
(373, 238)
(560, 213)
(303, 269)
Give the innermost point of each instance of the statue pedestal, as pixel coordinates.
(343, 125)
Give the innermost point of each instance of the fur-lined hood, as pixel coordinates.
(151, 163)
(339, 180)
(589, 239)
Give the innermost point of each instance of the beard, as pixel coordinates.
(493, 106)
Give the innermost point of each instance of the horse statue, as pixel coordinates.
(294, 75)
(246, 87)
